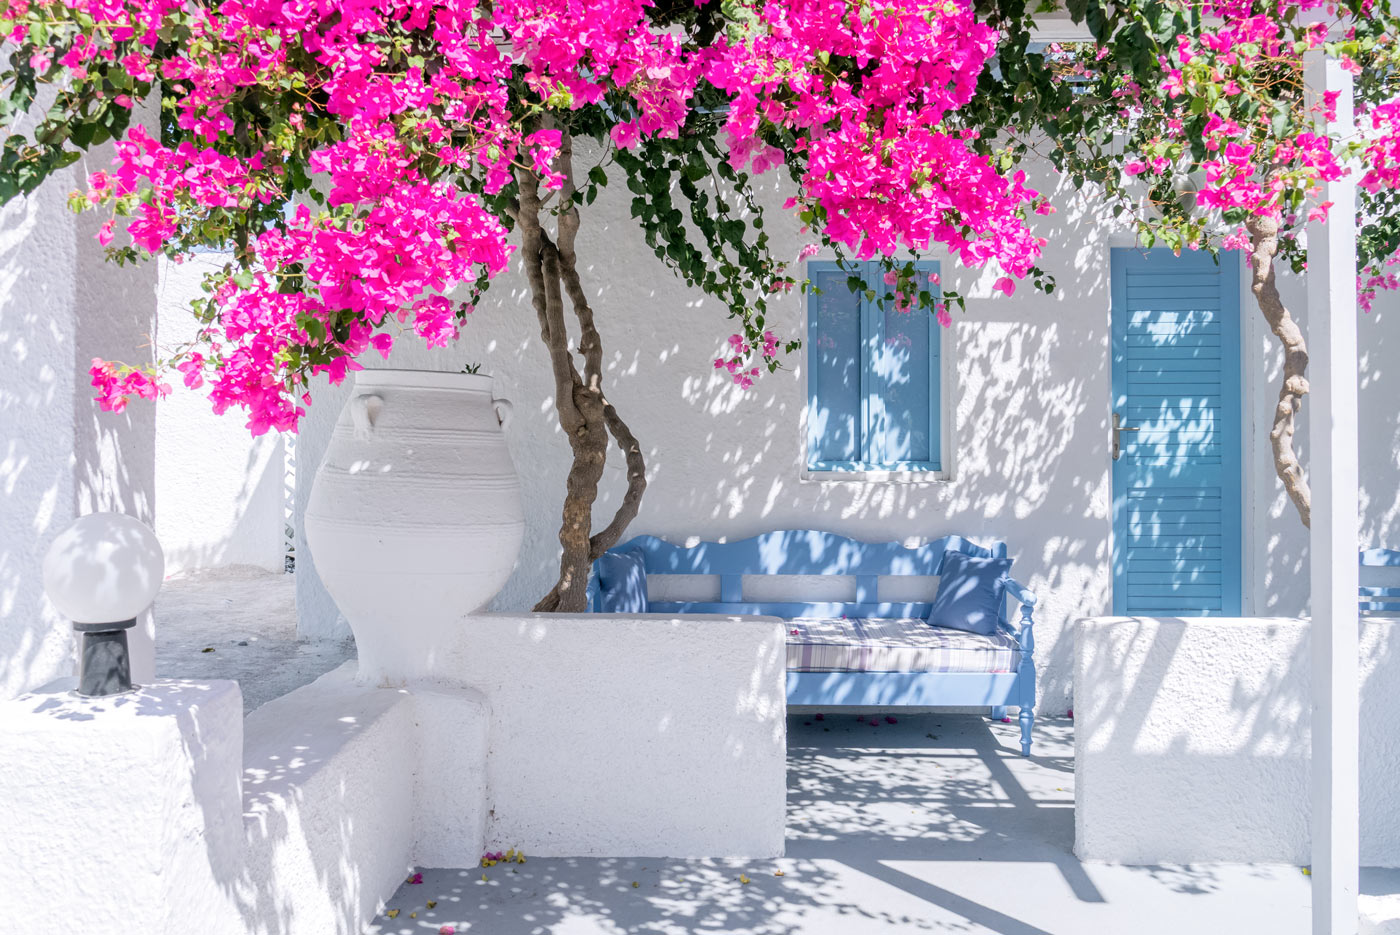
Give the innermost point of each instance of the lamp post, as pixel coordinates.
(102, 572)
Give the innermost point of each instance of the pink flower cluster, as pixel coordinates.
(881, 174)
(1381, 277)
(1382, 153)
(741, 351)
(116, 384)
(1249, 167)
(431, 122)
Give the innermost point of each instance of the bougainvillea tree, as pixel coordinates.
(373, 164)
(1195, 121)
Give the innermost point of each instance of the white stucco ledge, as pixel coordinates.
(1379, 915)
(627, 735)
(121, 808)
(1192, 740)
(150, 806)
(344, 791)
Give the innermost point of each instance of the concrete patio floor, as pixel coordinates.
(932, 824)
(239, 623)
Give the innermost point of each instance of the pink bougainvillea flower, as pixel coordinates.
(890, 719)
(447, 930)
(399, 232)
(415, 879)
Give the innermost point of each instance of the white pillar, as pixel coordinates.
(1333, 436)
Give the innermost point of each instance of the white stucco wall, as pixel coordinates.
(220, 491)
(61, 305)
(1026, 439)
(1028, 414)
(628, 735)
(1276, 543)
(1192, 740)
(121, 809)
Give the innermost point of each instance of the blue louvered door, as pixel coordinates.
(1177, 502)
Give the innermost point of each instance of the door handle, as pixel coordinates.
(1118, 427)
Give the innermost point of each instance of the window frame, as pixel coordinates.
(872, 332)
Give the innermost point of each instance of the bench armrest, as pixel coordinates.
(1026, 636)
(1019, 591)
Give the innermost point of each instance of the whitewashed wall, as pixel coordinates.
(1028, 443)
(220, 490)
(61, 305)
(1164, 703)
(1029, 446)
(1276, 543)
(1027, 437)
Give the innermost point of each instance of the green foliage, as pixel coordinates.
(1089, 108)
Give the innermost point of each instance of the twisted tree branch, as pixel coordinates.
(584, 412)
(1263, 232)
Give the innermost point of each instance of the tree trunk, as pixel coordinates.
(585, 414)
(1264, 236)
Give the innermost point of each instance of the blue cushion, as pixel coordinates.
(622, 582)
(970, 591)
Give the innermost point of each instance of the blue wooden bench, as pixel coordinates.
(810, 552)
(1384, 600)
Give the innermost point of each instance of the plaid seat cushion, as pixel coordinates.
(870, 644)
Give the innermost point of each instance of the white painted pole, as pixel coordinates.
(1331, 328)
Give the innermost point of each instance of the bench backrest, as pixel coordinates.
(798, 552)
(1377, 598)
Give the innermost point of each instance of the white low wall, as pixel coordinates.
(1192, 740)
(628, 735)
(625, 736)
(122, 813)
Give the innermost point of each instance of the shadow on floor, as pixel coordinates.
(929, 824)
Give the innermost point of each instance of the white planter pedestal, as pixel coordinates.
(123, 813)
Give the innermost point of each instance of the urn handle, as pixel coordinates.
(503, 408)
(364, 410)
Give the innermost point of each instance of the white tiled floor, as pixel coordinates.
(933, 824)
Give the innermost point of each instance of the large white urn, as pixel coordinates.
(415, 517)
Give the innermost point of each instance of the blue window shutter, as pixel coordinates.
(1177, 486)
(875, 376)
(834, 324)
(904, 375)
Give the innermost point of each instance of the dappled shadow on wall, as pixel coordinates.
(1379, 423)
(1023, 413)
